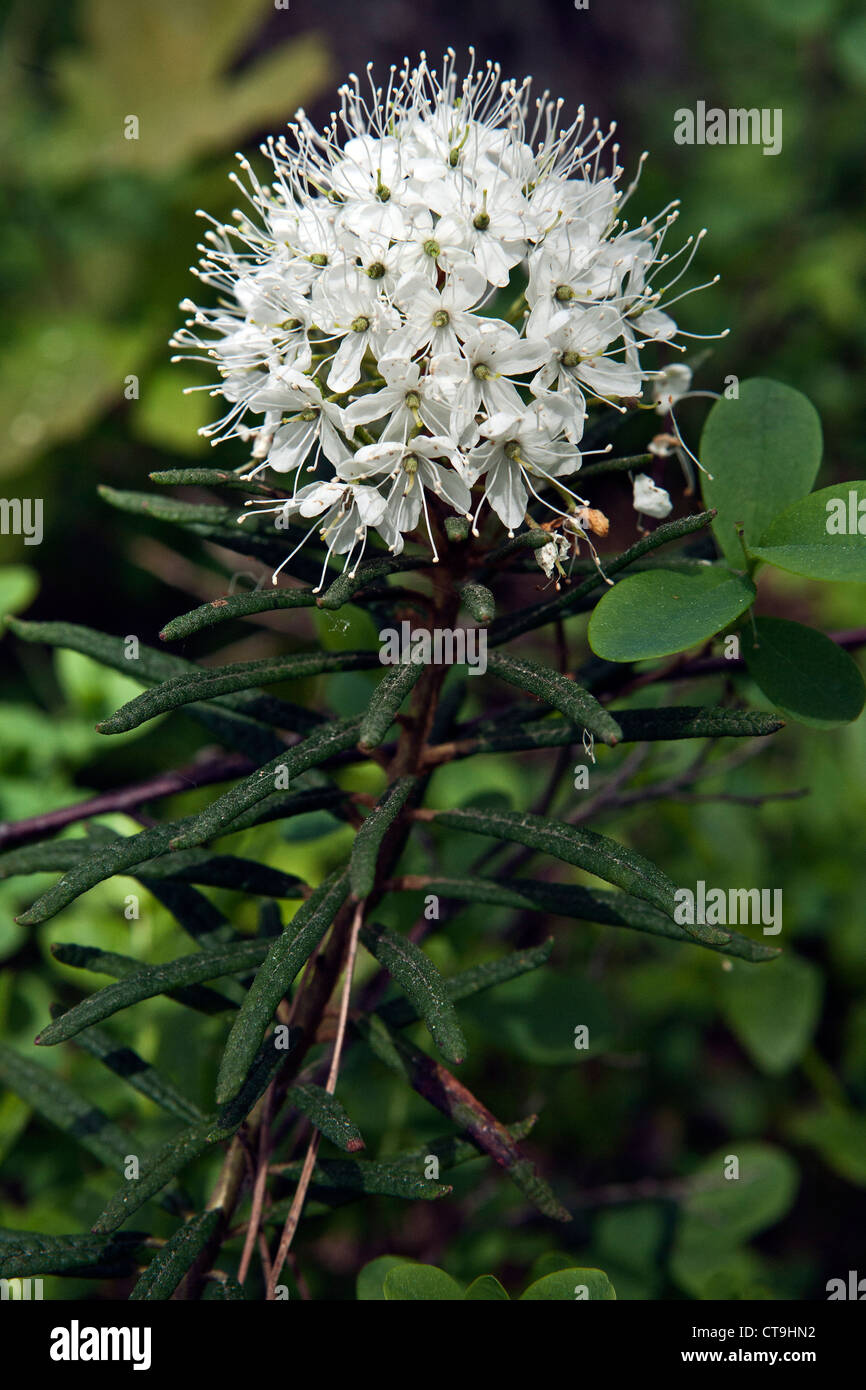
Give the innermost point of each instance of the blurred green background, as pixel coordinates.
(689, 1061)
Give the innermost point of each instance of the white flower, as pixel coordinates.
(518, 453)
(650, 499)
(429, 296)
(670, 385)
(407, 399)
(411, 468)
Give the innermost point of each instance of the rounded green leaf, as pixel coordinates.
(725, 1210)
(425, 1282)
(661, 612)
(19, 585)
(570, 1285)
(763, 451)
(487, 1288)
(773, 1011)
(822, 536)
(839, 1137)
(804, 673)
(370, 1284)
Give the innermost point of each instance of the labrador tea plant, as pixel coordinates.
(425, 322)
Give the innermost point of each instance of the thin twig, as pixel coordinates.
(222, 768)
(294, 1215)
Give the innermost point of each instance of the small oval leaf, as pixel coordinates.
(658, 613)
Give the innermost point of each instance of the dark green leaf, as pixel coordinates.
(479, 601)
(221, 610)
(803, 673)
(152, 980)
(399, 1012)
(422, 984)
(368, 840)
(328, 1115)
(58, 1103)
(317, 748)
(156, 1171)
(286, 955)
(562, 694)
(200, 997)
(223, 680)
(387, 699)
(124, 1062)
(173, 1260)
(24, 1254)
(584, 848)
(590, 905)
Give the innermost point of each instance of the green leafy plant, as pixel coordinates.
(396, 735)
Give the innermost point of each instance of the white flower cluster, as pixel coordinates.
(428, 296)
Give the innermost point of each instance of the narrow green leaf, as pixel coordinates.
(480, 602)
(167, 508)
(658, 613)
(584, 848)
(590, 905)
(150, 981)
(209, 683)
(317, 748)
(230, 716)
(559, 692)
(156, 1171)
(210, 477)
(400, 1012)
(185, 866)
(387, 699)
(327, 1114)
(126, 1063)
(126, 852)
(419, 979)
(24, 1254)
(223, 871)
(822, 536)
(451, 1098)
(695, 721)
(232, 606)
(199, 997)
(368, 840)
(349, 583)
(266, 1064)
(804, 673)
(358, 1175)
(286, 955)
(763, 451)
(173, 1260)
(58, 1103)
